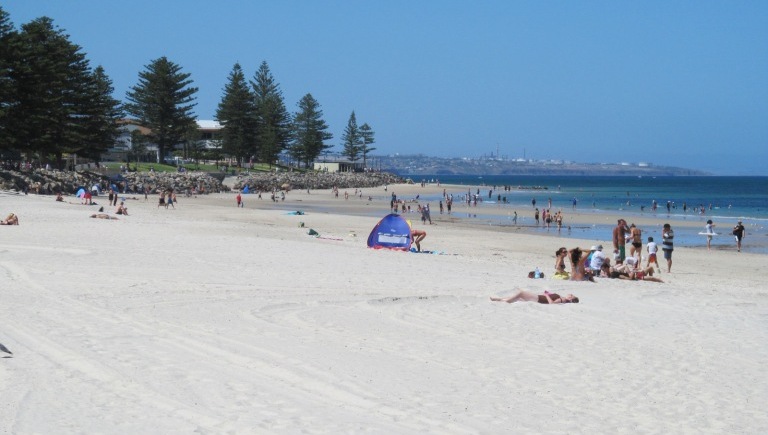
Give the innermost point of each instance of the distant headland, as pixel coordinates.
(419, 164)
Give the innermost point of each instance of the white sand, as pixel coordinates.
(214, 319)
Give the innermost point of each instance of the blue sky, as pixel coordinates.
(679, 83)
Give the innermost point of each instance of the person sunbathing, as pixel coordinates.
(546, 298)
(103, 216)
(627, 271)
(12, 219)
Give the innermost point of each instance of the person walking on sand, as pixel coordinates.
(739, 232)
(667, 244)
(710, 232)
(239, 200)
(545, 298)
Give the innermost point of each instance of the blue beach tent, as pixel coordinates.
(392, 232)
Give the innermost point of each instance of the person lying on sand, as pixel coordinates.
(12, 219)
(103, 216)
(546, 298)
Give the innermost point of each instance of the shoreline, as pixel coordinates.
(586, 224)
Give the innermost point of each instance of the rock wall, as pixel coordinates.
(313, 180)
(50, 182)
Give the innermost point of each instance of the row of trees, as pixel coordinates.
(256, 123)
(53, 103)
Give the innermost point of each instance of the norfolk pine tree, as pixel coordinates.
(100, 115)
(51, 82)
(163, 101)
(8, 40)
(309, 132)
(351, 139)
(366, 137)
(236, 112)
(273, 120)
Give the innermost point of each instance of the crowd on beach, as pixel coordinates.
(587, 265)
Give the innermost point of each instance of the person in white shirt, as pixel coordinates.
(652, 250)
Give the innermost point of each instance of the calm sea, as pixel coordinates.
(725, 200)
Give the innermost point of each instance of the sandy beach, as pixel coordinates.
(214, 319)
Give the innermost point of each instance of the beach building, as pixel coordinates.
(339, 165)
(209, 138)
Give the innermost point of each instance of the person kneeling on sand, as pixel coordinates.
(546, 298)
(12, 219)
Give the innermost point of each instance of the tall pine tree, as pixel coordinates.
(163, 101)
(50, 75)
(237, 113)
(8, 38)
(273, 120)
(100, 115)
(351, 140)
(366, 140)
(309, 132)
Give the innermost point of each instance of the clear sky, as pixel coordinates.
(679, 83)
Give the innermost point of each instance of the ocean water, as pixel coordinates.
(725, 200)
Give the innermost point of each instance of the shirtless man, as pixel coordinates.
(619, 238)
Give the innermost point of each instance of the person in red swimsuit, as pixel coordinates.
(546, 298)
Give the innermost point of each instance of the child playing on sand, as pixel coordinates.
(652, 249)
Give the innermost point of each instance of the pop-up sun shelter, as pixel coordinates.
(392, 232)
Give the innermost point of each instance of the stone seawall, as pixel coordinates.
(313, 180)
(50, 182)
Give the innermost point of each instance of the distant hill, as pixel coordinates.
(426, 165)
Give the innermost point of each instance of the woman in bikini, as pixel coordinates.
(546, 298)
(560, 257)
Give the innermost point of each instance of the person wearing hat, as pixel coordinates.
(596, 262)
(739, 232)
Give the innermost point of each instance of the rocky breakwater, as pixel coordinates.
(50, 182)
(156, 182)
(314, 180)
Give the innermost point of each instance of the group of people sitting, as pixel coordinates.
(586, 265)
